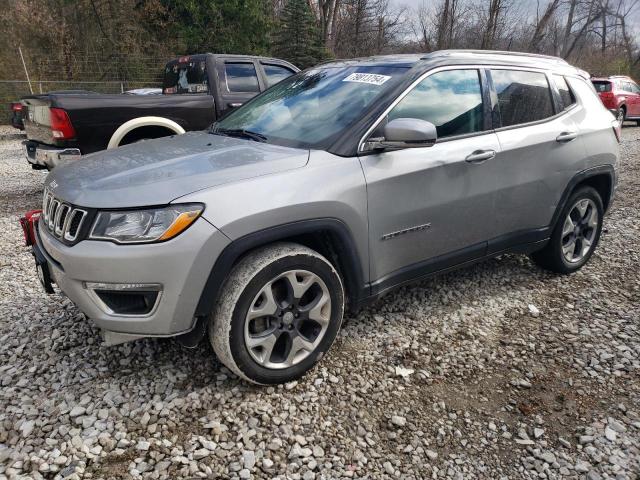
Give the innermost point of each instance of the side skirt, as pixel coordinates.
(456, 260)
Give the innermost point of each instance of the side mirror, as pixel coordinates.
(405, 133)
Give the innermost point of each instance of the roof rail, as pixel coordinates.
(444, 53)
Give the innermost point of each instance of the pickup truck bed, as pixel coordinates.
(96, 117)
(198, 90)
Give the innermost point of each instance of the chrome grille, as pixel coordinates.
(61, 219)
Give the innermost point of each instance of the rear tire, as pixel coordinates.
(279, 311)
(575, 235)
(622, 115)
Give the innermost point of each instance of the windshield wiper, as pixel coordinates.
(241, 133)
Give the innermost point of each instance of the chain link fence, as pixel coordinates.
(13, 90)
(92, 72)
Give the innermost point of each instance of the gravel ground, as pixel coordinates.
(496, 371)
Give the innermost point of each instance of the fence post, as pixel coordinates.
(121, 87)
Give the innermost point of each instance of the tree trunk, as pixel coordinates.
(539, 33)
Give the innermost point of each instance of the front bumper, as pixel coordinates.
(46, 156)
(179, 268)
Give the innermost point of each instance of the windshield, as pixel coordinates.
(309, 108)
(186, 77)
(602, 86)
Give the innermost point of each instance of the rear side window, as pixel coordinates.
(241, 77)
(631, 87)
(602, 87)
(451, 100)
(523, 97)
(566, 95)
(276, 73)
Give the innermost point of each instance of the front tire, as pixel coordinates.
(576, 234)
(279, 311)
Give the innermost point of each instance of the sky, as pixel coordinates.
(532, 4)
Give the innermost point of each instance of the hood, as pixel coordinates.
(155, 172)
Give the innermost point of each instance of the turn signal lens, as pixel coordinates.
(180, 224)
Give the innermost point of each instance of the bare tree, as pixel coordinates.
(327, 12)
(581, 16)
(496, 13)
(447, 14)
(542, 25)
(422, 26)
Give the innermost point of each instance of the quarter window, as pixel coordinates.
(451, 100)
(523, 97)
(566, 95)
(241, 77)
(275, 73)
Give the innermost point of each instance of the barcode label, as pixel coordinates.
(370, 78)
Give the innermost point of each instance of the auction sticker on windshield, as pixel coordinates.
(370, 78)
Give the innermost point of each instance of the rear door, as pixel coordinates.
(540, 151)
(239, 82)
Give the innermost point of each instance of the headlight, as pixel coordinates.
(144, 226)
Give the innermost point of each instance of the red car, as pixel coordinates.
(621, 95)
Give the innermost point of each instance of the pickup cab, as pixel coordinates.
(197, 90)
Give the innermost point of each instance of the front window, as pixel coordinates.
(451, 100)
(276, 73)
(311, 107)
(189, 76)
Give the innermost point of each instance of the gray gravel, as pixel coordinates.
(496, 371)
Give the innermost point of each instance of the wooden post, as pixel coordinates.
(25, 70)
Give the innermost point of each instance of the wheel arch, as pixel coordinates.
(601, 178)
(140, 122)
(328, 236)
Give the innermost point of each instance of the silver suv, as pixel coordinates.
(325, 192)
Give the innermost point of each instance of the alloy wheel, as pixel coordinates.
(287, 319)
(579, 230)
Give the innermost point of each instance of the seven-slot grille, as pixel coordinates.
(61, 219)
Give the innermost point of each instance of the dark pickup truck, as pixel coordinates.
(197, 90)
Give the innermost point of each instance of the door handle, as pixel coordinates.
(234, 105)
(480, 156)
(566, 137)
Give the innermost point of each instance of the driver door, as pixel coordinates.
(432, 207)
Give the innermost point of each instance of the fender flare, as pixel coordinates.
(134, 123)
(580, 177)
(350, 264)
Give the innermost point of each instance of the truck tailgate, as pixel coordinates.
(36, 118)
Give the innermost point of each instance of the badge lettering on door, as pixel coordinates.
(418, 228)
